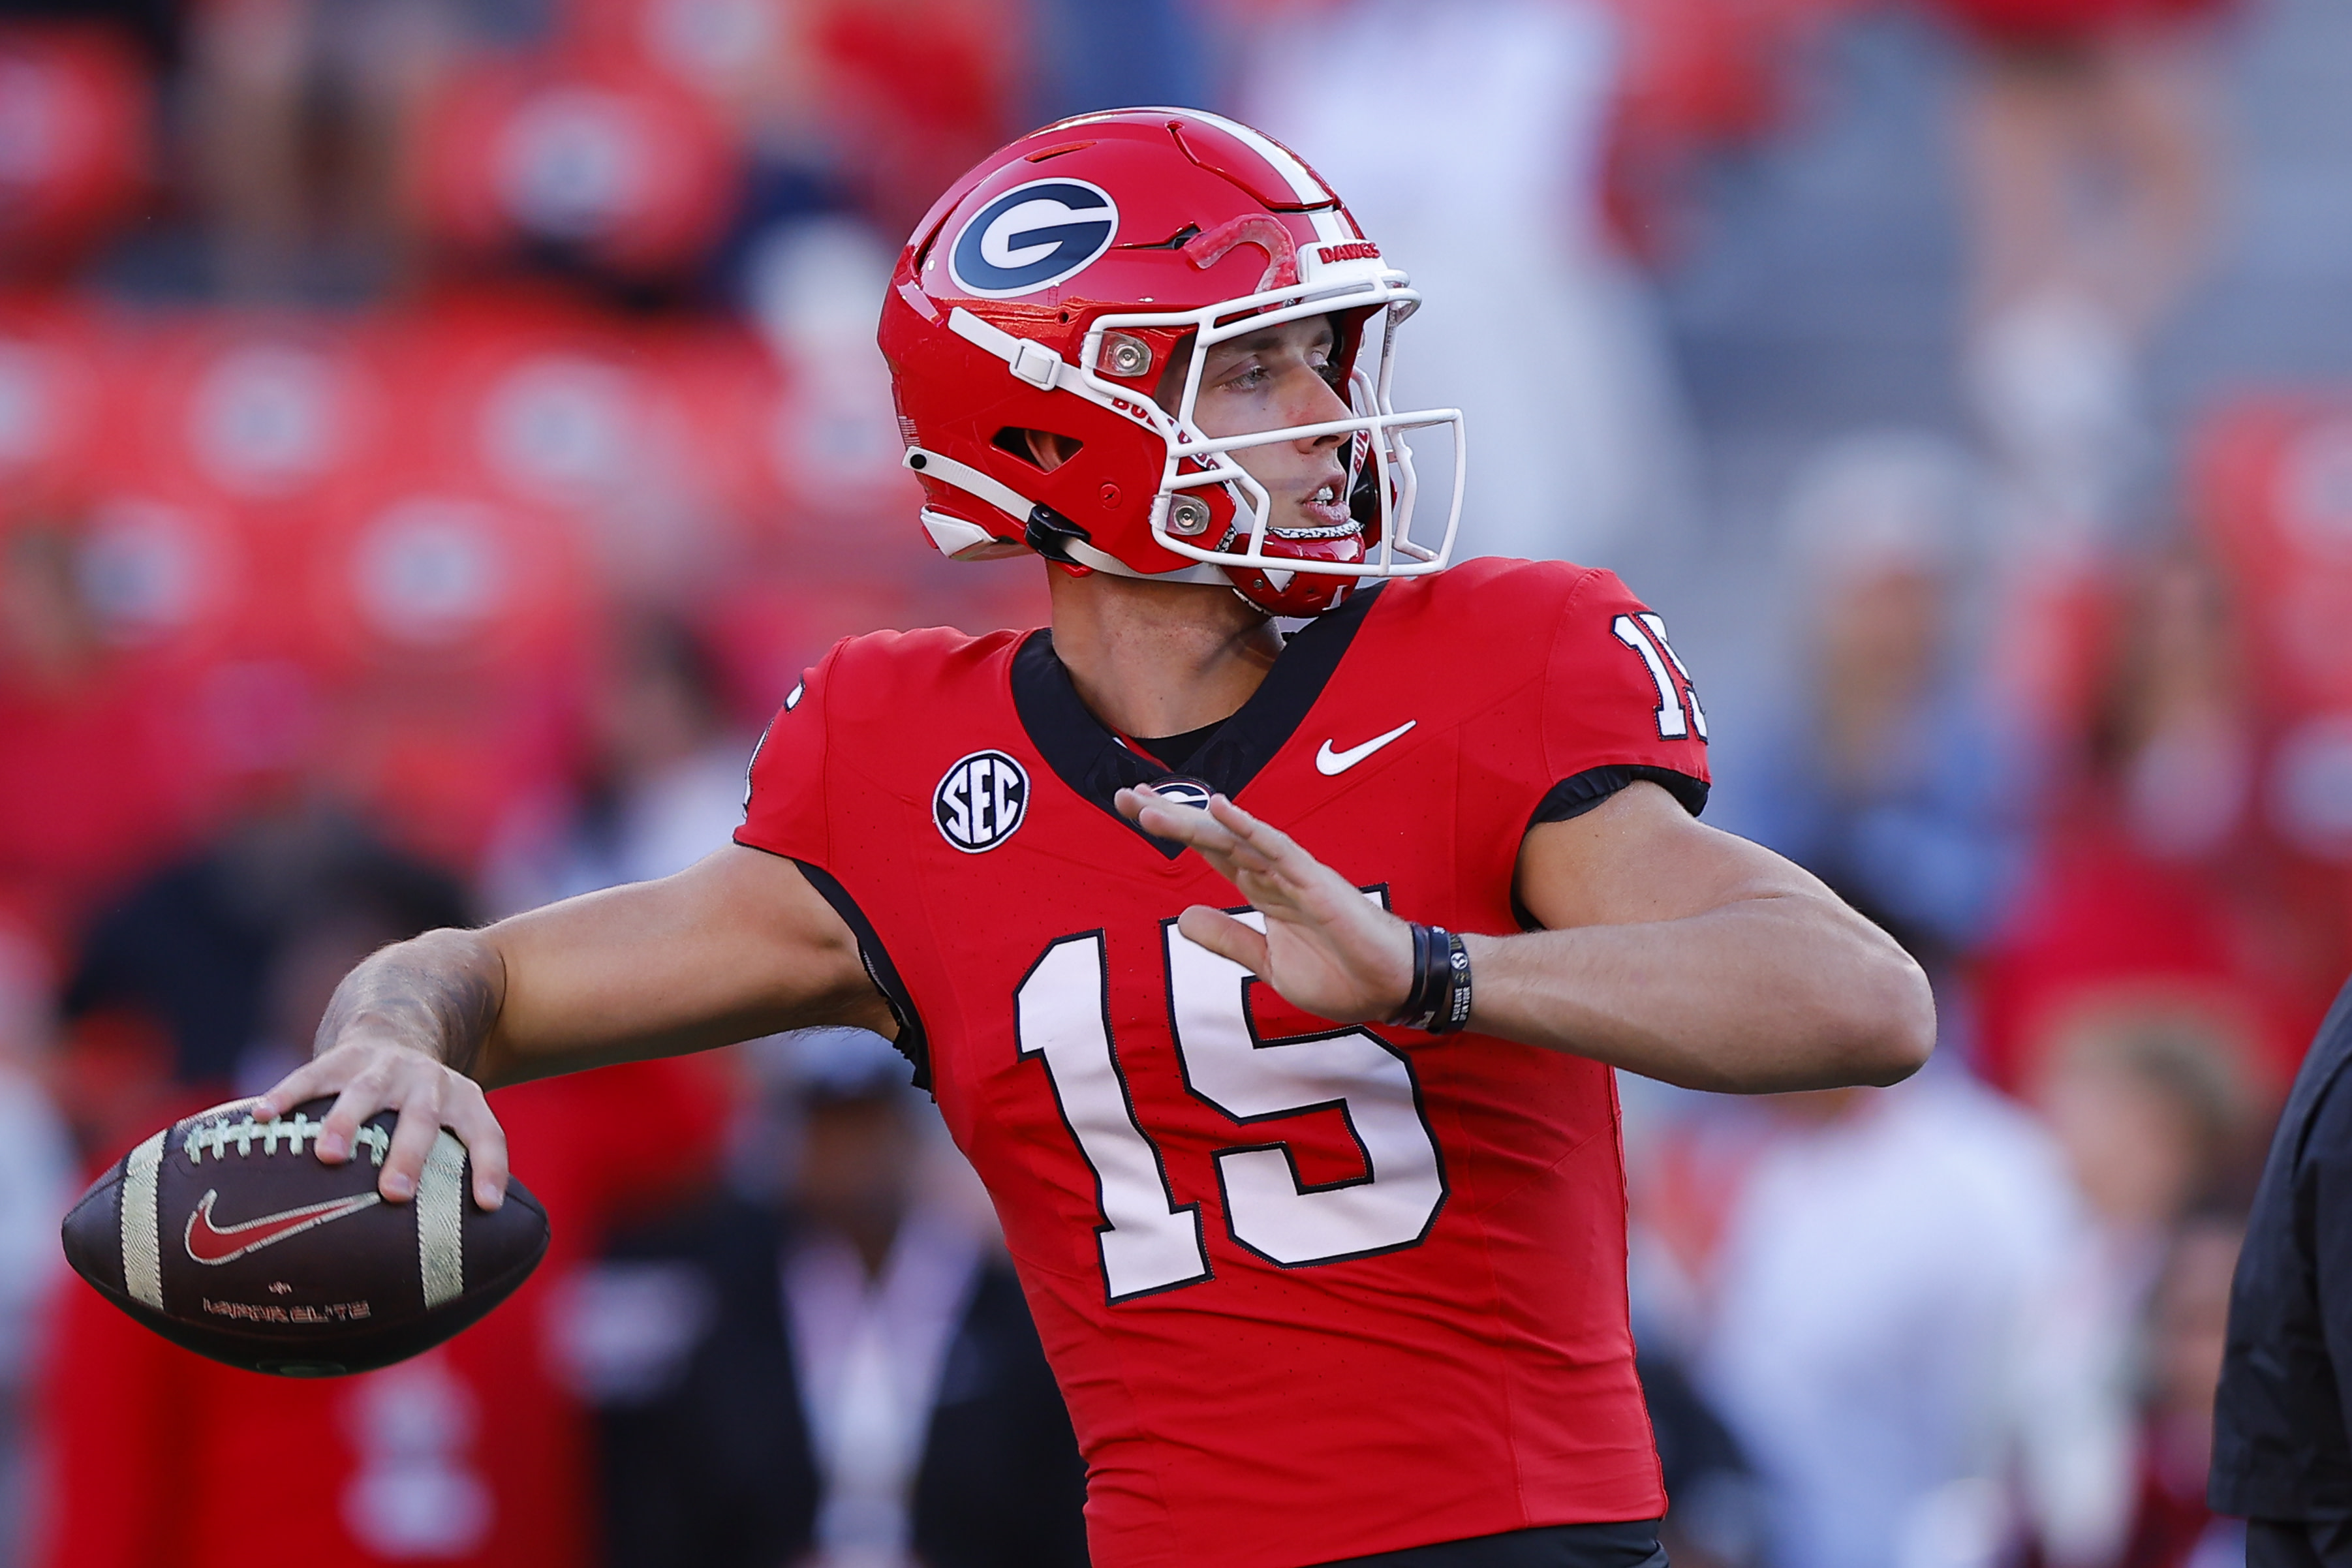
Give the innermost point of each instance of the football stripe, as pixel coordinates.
(440, 1214)
(143, 1249)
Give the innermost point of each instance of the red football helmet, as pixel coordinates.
(1048, 290)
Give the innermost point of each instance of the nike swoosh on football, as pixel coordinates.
(210, 1243)
(1328, 762)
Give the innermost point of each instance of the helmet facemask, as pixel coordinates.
(1210, 508)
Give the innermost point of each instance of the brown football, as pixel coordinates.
(231, 1237)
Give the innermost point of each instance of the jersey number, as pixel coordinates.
(1646, 636)
(1148, 1242)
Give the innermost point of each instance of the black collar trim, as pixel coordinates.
(1096, 763)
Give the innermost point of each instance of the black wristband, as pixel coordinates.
(1417, 996)
(1438, 1001)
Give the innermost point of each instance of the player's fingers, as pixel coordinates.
(1266, 840)
(361, 1096)
(412, 1138)
(477, 1125)
(1164, 818)
(1197, 828)
(1186, 826)
(319, 1075)
(1226, 937)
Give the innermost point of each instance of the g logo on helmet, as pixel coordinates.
(1031, 238)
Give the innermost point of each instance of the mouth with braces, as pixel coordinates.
(1327, 507)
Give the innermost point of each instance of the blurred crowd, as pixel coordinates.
(434, 434)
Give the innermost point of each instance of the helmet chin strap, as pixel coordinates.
(1052, 535)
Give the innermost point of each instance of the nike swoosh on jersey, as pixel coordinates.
(210, 1243)
(1328, 762)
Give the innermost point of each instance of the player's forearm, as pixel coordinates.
(439, 993)
(735, 946)
(1791, 991)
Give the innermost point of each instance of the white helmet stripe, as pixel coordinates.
(1302, 183)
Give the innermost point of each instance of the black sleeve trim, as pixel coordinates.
(1574, 796)
(911, 1042)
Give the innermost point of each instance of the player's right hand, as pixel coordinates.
(1326, 948)
(368, 1072)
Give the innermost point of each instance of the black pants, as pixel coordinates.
(2299, 1544)
(1554, 1546)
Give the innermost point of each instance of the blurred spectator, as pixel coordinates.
(2169, 737)
(1714, 1506)
(94, 780)
(1492, 201)
(308, 116)
(849, 1381)
(1896, 781)
(2149, 1097)
(2152, 872)
(1702, 79)
(2090, 155)
(2186, 1331)
(1890, 1265)
(195, 945)
(2090, 143)
(37, 1170)
(667, 782)
(75, 141)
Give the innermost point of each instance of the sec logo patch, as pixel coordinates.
(980, 801)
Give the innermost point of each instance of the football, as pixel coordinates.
(230, 1236)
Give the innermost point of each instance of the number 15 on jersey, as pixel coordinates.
(1149, 1243)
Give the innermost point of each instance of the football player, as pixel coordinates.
(1272, 984)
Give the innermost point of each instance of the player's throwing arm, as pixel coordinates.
(735, 946)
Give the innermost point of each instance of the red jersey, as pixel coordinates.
(1311, 1292)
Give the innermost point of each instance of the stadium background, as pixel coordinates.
(434, 433)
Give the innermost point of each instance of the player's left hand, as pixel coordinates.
(1327, 948)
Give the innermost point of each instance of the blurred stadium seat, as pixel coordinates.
(604, 158)
(52, 389)
(455, 622)
(75, 109)
(269, 411)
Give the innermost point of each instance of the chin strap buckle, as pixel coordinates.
(1052, 535)
(1036, 364)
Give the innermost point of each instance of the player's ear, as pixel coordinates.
(1051, 451)
(1045, 448)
